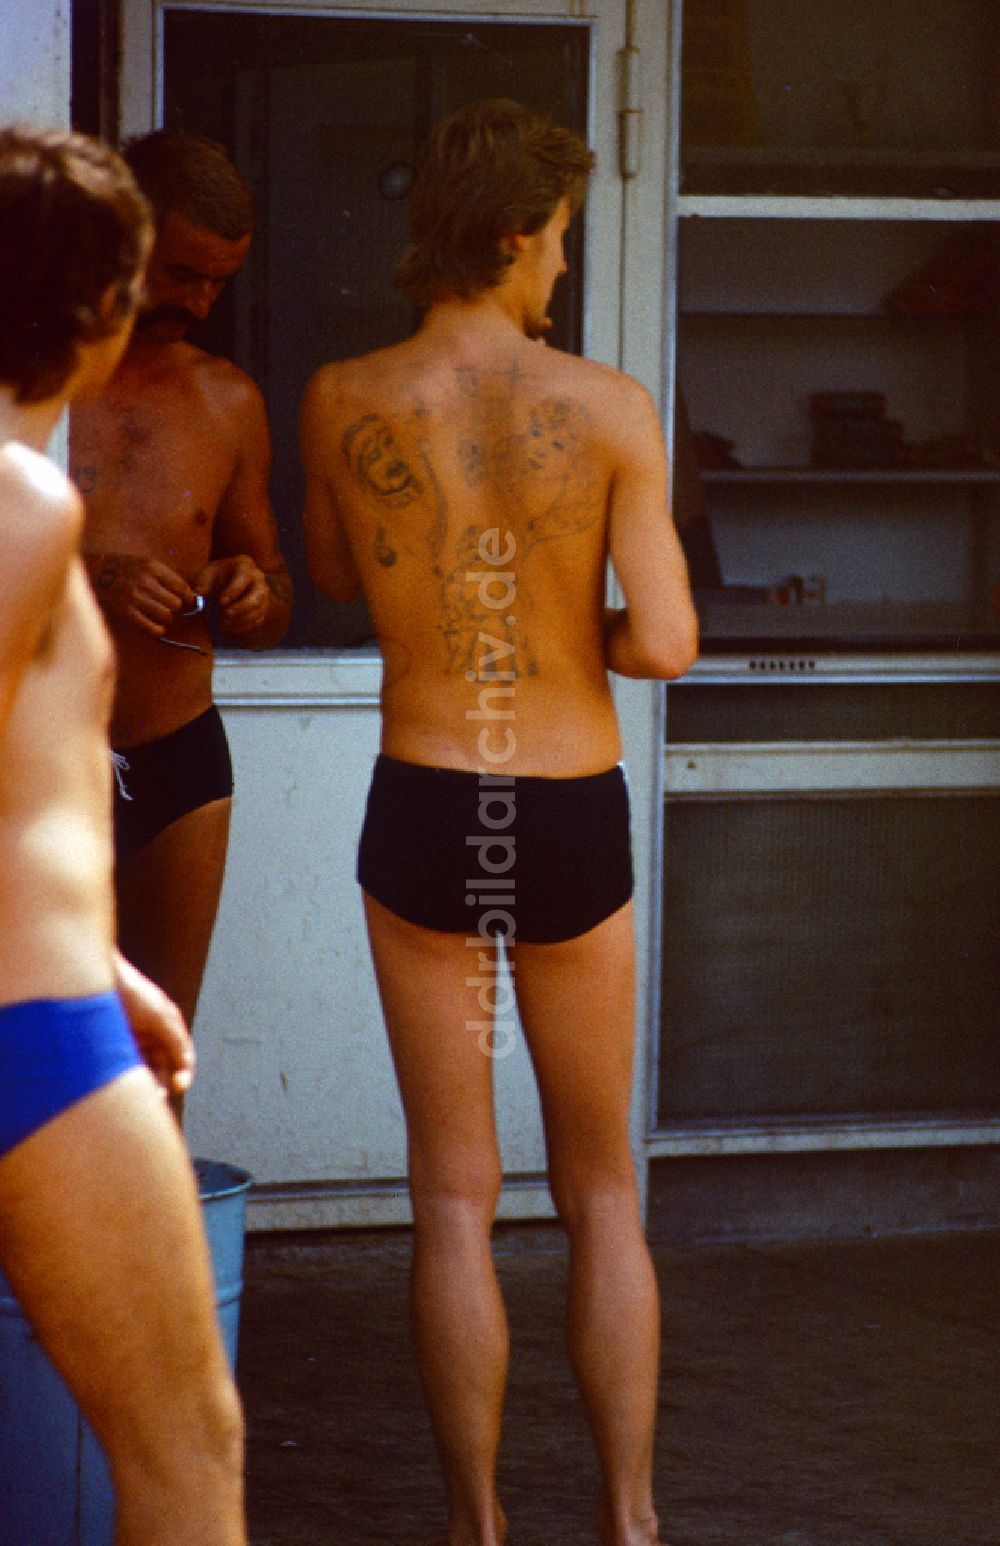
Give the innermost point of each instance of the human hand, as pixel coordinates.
(144, 591)
(158, 1027)
(240, 588)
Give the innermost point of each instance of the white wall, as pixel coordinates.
(35, 61)
(35, 82)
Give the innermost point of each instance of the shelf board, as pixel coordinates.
(874, 475)
(748, 313)
(835, 156)
(780, 207)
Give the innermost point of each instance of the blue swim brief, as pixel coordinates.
(53, 1052)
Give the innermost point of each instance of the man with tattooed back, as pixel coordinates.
(172, 460)
(472, 483)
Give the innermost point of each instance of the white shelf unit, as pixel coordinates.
(771, 312)
(777, 293)
(772, 206)
(872, 476)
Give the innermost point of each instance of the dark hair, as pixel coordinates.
(187, 174)
(491, 170)
(72, 225)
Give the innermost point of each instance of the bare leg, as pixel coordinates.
(168, 896)
(459, 1327)
(577, 1008)
(113, 1272)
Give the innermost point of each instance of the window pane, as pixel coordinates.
(830, 957)
(323, 118)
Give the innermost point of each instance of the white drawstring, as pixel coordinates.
(121, 765)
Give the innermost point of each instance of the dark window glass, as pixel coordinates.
(323, 117)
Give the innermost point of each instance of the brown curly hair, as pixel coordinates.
(73, 225)
(491, 170)
(188, 174)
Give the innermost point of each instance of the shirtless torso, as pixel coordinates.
(472, 483)
(100, 1223)
(172, 461)
(93, 1261)
(56, 681)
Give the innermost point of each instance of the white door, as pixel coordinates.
(321, 106)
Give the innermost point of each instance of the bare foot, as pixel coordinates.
(637, 1532)
(500, 1535)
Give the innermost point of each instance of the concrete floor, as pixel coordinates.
(838, 1393)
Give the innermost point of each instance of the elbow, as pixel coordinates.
(672, 652)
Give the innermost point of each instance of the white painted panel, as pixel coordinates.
(890, 767)
(294, 1079)
(35, 61)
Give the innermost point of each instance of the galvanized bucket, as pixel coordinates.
(55, 1489)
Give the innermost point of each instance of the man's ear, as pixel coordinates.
(514, 242)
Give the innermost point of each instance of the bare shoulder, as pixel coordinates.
(341, 380)
(320, 402)
(622, 412)
(606, 385)
(39, 508)
(341, 389)
(325, 385)
(41, 517)
(223, 380)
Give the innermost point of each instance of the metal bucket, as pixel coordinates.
(55, 1489)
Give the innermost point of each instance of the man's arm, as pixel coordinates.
(158, 1027)
(656, 633)
(247, 575)
(331, 562)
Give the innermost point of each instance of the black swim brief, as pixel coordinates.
(159, 781)
(528, 858)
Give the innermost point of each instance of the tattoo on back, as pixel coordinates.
(540, 479)
(372, 452)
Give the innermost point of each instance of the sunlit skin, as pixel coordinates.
(474, 436)
(187, 273)
(550, 264)
(95, 1262)
(173, 461)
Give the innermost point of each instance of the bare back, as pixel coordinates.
(56, 675)
(471, 485)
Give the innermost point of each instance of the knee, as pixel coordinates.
(461, 1194)
(222, 1425)
(187, 1422)
(591, 1205)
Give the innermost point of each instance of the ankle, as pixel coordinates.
(474, 1527)
(621, 1526)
